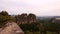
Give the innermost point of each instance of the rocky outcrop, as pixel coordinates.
(55, 20)
(31, 18)
(24, 18)
(11, 28)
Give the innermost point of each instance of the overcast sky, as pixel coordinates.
(37, 7)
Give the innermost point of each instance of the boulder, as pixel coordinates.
(11, 28)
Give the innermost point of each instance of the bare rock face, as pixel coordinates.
(24, 18)
(31, 18)
(21, 19)
(12, 28)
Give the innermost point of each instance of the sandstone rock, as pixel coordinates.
(12, 28)
(24, 19)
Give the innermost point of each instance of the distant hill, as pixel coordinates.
(46, 17)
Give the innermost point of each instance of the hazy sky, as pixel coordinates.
(38, 7)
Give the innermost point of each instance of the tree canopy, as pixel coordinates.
(4, 16)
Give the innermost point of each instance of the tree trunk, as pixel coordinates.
(33, 32)
(57, 32)
(40, 32)
(44, 32)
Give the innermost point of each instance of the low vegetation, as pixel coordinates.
(4, 17)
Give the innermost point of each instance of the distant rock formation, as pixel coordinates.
(24, 18)
(31, 18)
(11, 28)
(55, 20)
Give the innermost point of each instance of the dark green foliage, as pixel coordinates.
(4, 16)
(4, 13)
(46, 25)
(53, 27)
(29, 27)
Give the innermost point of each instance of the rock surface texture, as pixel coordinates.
(24, 19)
(11, 28)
